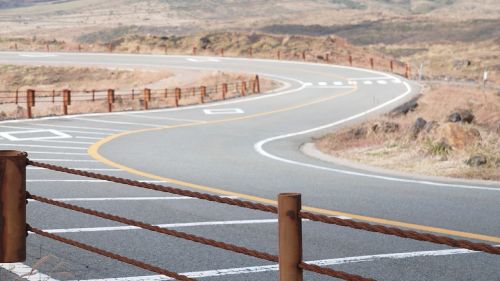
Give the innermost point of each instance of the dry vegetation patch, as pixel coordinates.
(448, 131)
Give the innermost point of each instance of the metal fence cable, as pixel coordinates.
(157, 187)
(105, 253)
(166, 231)
(403, 233)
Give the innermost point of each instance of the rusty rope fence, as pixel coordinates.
(13, 167)
(67, 101)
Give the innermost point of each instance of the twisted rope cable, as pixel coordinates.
(333, 273)
(166, 231)
(403, 233)
(157, 187)
(114, 256)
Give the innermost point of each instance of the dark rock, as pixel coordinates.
(406, 107)
(477, 160)
(417, 126)
(205, 42)
(454, 117)
(467, 116)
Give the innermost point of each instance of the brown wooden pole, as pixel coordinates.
(194, 51)
(17, 96)
(133, 94)
(203, 92)
(290, 237)
(221, 52)
(224, 90)
(30, 102)
(147, 98)
(13, 230)
(243, 88)
(257, 82)
(53, 96)
(279, 54)
(111, 99)
(350, 60)
(177, 96)
(250, 52)
(407, 71)
(371, 63)
(303, 55)
(66, 101)
(327, 58)
(391, 64)
(93, 95)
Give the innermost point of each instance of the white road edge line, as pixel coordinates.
(43, 146)
(168, 225)
(115, 122)
(259, 149)
(268, 268)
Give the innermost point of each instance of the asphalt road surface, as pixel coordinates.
(247, 148)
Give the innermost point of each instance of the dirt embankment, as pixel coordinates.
(448, 131)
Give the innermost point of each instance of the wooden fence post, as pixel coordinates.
(13, 230)
(224, 90)
(111, 99)
(30, 102)
(93, 95)
(243, 88)
(391, 65)
(303, 55)
(66, 100)
(257, 82)
(327, 58)
(371, 63)
(194, 51)
(350, 60)
(221, 52)
(279, 54)
(147, 98)
(203, 92)
(17, 96)
(290, 237)
(177, 96)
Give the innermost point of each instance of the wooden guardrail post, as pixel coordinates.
(290, 237)
(30, 102)
(224, 90)
(350, 60)
(47, 47)
(93, 95)
(391, 65)
(250, 52)
(243, 88)
(12, 206)
(17, 96)
(111, 99)
(110, 47)
(177, 96)
(147, 98)
(66, 100)
(371, 63)
(194, 51)
(407, 71)
(327, 58)
(303, 55)
(166, 93)
(257, 83)
(79, 47)
(203, 93)
(53, 96)
(278, 54)
(221, 52)
(133, 94)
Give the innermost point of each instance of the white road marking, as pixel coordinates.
(129, 198)
(64, 160)
(397, 81)
(59, 141)
(56, 135)
(44, 146)
(83, 169)
(169, 225)
(26, 272)
(76, 127)
(214, 111)
(192, 60)
(382, 82)
(274, 267)
(322, 83)
(115, 122)
(54, 180)
(57, 153)
(372, 78)
(38, 55)
(367, 82)
(308, 84)
(259, 148)
(165, 118)
(69, 131)
(338, 83)
(352, 82)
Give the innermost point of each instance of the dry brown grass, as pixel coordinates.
(427, 153)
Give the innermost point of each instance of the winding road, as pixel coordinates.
(247, 148)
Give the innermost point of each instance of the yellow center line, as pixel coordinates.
(93, 151)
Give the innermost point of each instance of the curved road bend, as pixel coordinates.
(246, 148)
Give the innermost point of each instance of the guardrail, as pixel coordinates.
(147, 98)
(13, 229)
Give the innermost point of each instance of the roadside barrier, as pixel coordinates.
(115, 100)
(13, 170)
